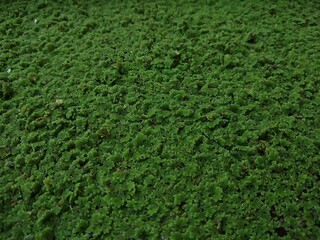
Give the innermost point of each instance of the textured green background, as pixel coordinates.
(159, 120)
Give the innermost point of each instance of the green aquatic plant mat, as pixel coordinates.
(159, 119)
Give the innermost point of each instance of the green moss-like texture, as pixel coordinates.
(159, 120)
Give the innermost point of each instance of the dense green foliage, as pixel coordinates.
(159, 119)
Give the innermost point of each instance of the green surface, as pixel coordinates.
(159, 120)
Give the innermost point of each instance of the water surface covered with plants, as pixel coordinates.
(159, 120)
